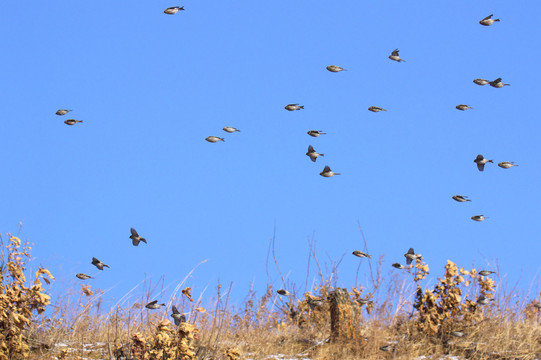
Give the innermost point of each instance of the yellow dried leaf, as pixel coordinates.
(200, 309)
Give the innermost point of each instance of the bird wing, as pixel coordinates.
(152, 303)
(310, 149)
(326, 168)
(175, 310)
(480, 166)
(133, 232)
(135, 241)
(395, 53)
(411, 251)
(95, 261)
(488, 17)
(479, 158)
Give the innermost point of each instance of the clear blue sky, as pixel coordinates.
(150, 87)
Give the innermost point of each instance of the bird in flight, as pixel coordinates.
(135, 238)
(488, 20)
(361, 254)
(327, 172)
(100, 265)
(84, 276)
(177, 316)
(481, 161)
(498, 83)
(153, 305)
(335, 68)
(72, 122)
(230, 129)
(411, 255)
(315, 133)
(507, 164)
(376, 109)
(62, 112)
(460, 198)
(173, 10)
(312, 154)
(214, 139)
(394, 56)
(479, 217)
(293, 107)
(463, 107)
(481, 82)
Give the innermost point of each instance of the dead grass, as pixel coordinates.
(406, 319)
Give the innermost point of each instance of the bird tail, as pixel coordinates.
(237, 130)
(322, 133)
(496, 19)
(490, 161)
(324, 155)
(301, 107)
(144, 240)
(79, 121)
(182, 8)
(337, 174)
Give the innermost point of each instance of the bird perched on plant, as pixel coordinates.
(479, 217)
(62, 112)
(376, 109)
(312, 154)
(506, 164)
(488, 20)
(335, 68)
(463, 107)
(177, 316)
(153, 305)
(486, 272)
(411, 255)
(230, 129)
(399, 266)
(214, 139)
(72, 122)
(315, 133)
(481, 82)
(483, 300)
(361, 254)
(84, 276)
(481, 161)
(100, 265)
(498, 83)
(283, 292)
(460, 198)
(394, 56)
(135, 238)
(173, 10)
(293, 107)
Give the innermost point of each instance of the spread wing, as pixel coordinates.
(326, 168)
(480, 166)
(395, 53)
(133, 232)
(310, 149)
(152, 303)
(175, 310)
(488, 17)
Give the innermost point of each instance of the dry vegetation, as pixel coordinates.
(400, 317)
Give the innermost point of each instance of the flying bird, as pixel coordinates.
(230, 129)
(312, 154)
(293, 107)
(376, 109)
(498, 83)
(463, 107)
(72, 121)
(399, 266)
(214, 139)
(283, 292)
(84, 276)
(506, 164)
(486, 272)
(327, 172)
(135, 238)
(173, 10)
(100, 265)
(334, 68)
(483, 300)
(461, 198)
(488, 20)
(153, 305)
(361, 254)
(394, 56)
(365, 301)
(479, 217)
(315, 133)
(411, 255)
(314, 303)
(481, 82)
(177, 316)
(481, 161)
(62, 112)
(458, 334)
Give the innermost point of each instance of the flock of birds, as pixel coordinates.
(410, 255)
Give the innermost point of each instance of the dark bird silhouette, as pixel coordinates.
(135, 238)
(100, 265)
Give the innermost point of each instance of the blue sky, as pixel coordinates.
(150, 87)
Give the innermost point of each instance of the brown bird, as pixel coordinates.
(481, 161)
(506, 164)
(481, 82)
(62, 112)
(293, 107)
(230, 129)
(153, 305)
(394, 56)
(486, 272)
(479, 217)
(312, 154)
(498, 83)
(361, 254)
(483, 300)
(135, 238)
(177, 316)
(488, 21)
(283, 292)
(376, 109)
(335, 68)
(72, 121)
(399, 266)
(98, 264)
(315, 133)
(173, 10)
(327, 172)
(214, 139)
(463, 107)
(84, 276)
(461, 198)
(411, 255)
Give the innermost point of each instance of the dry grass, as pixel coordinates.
(406, 319)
